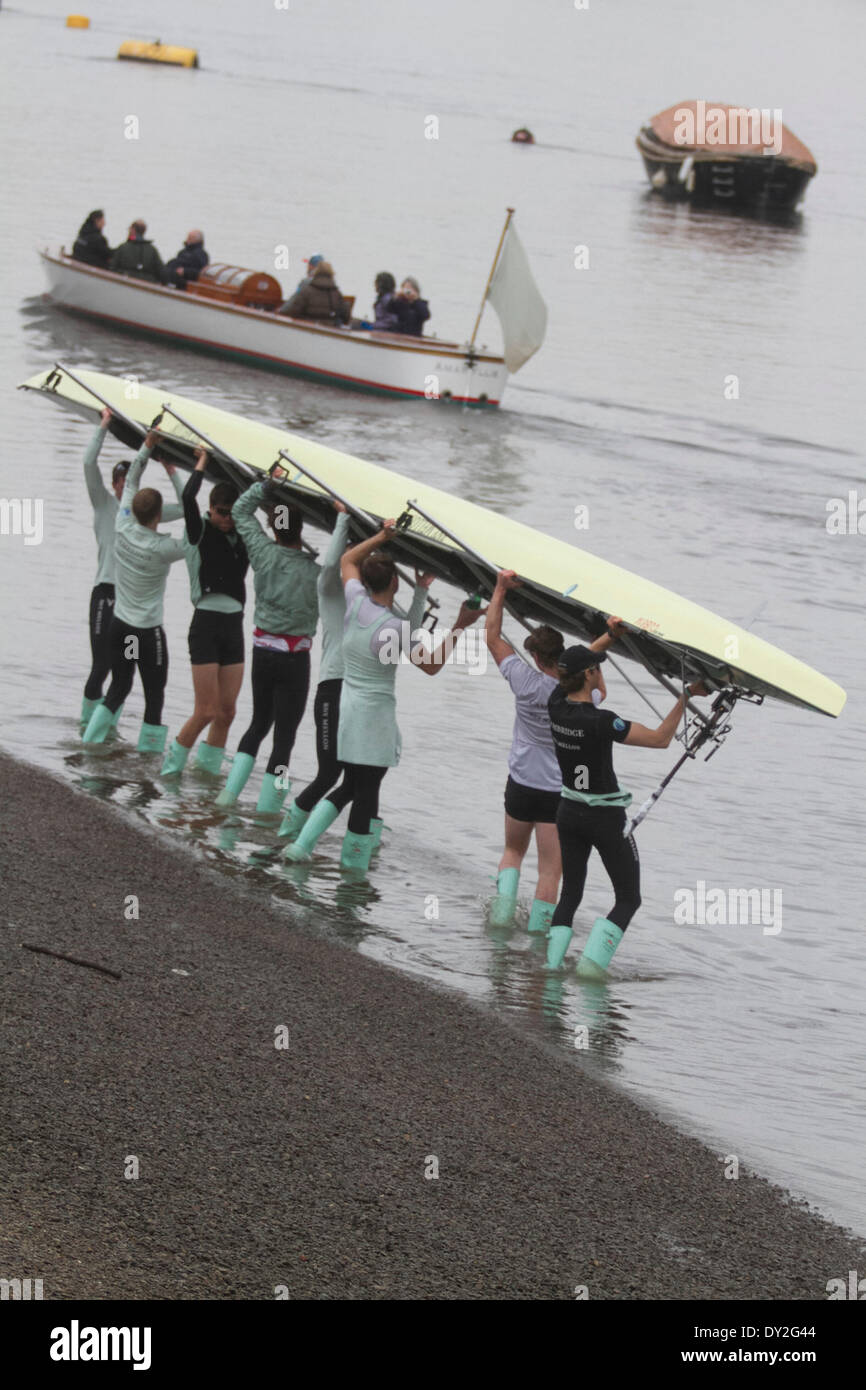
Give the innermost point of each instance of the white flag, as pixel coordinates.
(516, 299)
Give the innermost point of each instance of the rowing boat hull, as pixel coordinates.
(561, 584)
(382, 364)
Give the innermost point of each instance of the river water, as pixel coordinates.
(306, 127)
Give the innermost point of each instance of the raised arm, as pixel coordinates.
(136, 468)
(350, 564)
(639, 736)
(431, 665)
(246, 525)
(498, 647)
(96, 489)
(330, 571)
(191, 514)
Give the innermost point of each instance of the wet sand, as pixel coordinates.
(304, 1167)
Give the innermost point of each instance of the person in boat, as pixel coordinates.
(143, 557)
(532, 791)
(320, 300)
(311, 264)
(385, 318)
(105, 502)
(375, 636)
(286, 616)
(189, 262)
(591, 813)
(217, 562)
(412, 311)
(326, 708)
(91, 247)
(138, 257)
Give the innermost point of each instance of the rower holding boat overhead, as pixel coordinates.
(217, 561)
(326, 708)
(368, 739)
(142, 557)
(591, 813)
(286, 617)
(532, 791)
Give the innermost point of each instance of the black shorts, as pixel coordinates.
(530, 804)
(216, 638)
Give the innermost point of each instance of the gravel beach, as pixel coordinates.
(301, 1168)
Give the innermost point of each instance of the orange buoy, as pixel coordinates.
(77, 21)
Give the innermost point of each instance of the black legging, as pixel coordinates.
(281, 682)
(327, 713)
(144, 647)
(360, 785)
(101, 613)
(584, 828)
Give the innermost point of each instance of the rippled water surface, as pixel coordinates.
(306, 128)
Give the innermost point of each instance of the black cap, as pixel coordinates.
(119, 470)
(576, 659)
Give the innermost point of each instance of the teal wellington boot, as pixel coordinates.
(540, 916)
(115, 719)
(208, 758)
(175, 760)
(504, 904)
(357, 851)
(242, 766)
(376, 828)
(599, 949)
(271, 796)
(98, 725)
(87, 708)
(558, 942)
(322, 816)
(152, 738)
(293, 822)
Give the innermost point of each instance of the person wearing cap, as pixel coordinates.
(311, 266)
(532, 792)
(320, 300)
(591, 812)
(105, 502)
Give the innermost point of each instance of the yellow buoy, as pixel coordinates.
(77, 21)
(138, 51)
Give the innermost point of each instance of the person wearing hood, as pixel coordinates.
(189, 262)
(138, 257)
(320, 299)
(91, 247)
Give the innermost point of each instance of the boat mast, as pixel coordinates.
(510, 212)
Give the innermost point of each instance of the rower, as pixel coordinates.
(217, 562)
(591, 813)
(286, 615)
(368, 738)
(326, 709)
(534, 780)
(143, 557)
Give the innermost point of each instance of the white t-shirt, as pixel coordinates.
(532, 761)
